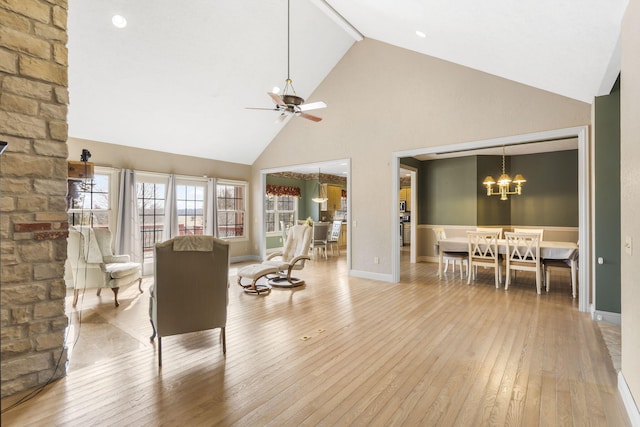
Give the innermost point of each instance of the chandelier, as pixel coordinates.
(504, 183)
(320, 195)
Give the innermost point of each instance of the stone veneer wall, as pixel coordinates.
(33, 172)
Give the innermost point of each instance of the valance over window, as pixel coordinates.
(283, 190)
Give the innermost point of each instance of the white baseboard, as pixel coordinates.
(606, 316)
(629, 402)
(369, 275)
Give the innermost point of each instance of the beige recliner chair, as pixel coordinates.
(279, 265)
(191, 287)
(92, 264)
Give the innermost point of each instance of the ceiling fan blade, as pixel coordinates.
(309, 117)
(259, 108)
(281, 118)
(313, 106)
(277, 99)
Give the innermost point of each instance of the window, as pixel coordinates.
(89, 200)
(190, 200)
(280, 211)
(151, 192)
(230, 203)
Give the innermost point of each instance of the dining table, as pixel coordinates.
(565, 251)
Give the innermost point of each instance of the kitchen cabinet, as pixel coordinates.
(405, 195)
(334, 198)
(342, 242)
(406, 233)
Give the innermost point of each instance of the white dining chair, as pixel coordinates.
(483, 251)
(491, 230)
(540, 231)
(523, 254)
(462, 258)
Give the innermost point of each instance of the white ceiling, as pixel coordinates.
(179, 76)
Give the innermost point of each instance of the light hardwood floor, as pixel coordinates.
(343, 351)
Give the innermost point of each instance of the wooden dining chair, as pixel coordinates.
(483, 251)
(523, 254)
(462, 258)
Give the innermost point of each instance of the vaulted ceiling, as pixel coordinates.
(179, 76)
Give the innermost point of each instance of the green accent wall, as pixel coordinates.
(550, 195)
(447, 191)
(451, 191)
(607, 200)
(306, 207)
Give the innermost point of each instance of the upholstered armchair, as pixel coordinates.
(92, 264)
(190, 292)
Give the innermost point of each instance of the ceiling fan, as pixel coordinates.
(289, 103)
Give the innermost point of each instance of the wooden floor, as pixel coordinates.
(344, 351)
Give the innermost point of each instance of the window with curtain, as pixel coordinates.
(90, 200)
(151, 192)
(280, 213)
(191, 202)
(230, 204)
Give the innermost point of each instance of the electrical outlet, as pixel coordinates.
(376, 260)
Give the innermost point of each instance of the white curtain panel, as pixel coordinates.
(212, 209)
(127, 237)
(170, 228)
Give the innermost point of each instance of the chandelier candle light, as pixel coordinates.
(504, 183)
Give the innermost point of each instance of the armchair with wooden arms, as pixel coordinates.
(92, 264)
(190, 292)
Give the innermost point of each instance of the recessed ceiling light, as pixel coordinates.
(420, 34)
(119, 21)
(275, 89)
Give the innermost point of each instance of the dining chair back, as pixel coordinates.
(483, 251)
(319, 239)
(334, 236)
(559, 265)
(491, 230)
(460, 257)
(523, 254)
(540, 231)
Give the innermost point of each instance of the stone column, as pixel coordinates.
(33, 172)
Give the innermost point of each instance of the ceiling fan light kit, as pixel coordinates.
(289, 103)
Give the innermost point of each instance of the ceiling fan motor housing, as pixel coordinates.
(292, 100)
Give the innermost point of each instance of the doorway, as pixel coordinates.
(584, 192)
(340, 168)
(408, 212)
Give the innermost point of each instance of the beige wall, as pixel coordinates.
(122, 157)
(630, 196)
(382, 99)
